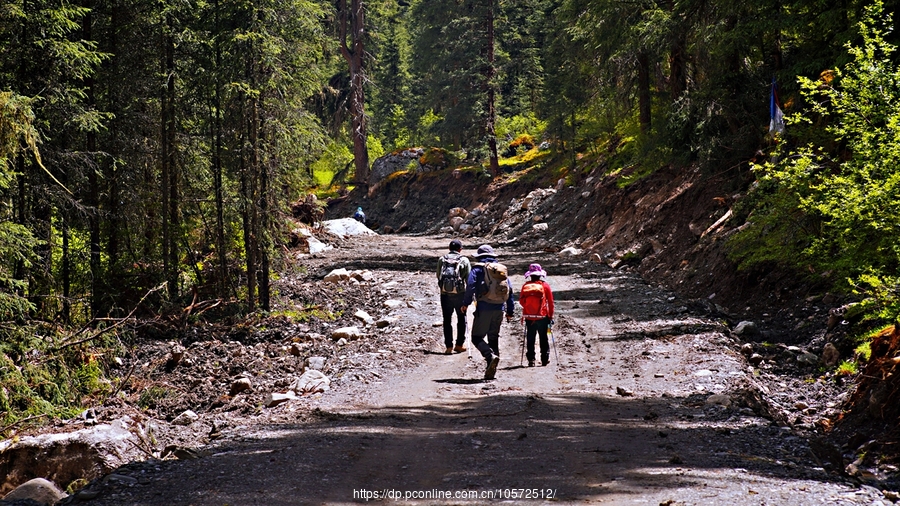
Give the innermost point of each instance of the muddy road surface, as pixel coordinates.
(646, 400)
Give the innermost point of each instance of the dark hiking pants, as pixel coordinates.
(538, 327)
(450, 304)
(487, 323)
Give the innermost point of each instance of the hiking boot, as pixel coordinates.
(531, 363)
(491, 367)
(448, 351)
(545, 361)
(459, 348)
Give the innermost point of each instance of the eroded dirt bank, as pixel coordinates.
(649, 402)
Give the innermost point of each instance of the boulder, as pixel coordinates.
(337, 276)
(186, 418)
(66, 457)
(456, 222)
(808, 358)
(317, 363)
(312, 381)
(348, 333)
(276, 398)
(540, 227)
(344, 227)
(830, 355)
(364, 316)
(38, 490)
(745, 329)
(393, 162)
(242, 384)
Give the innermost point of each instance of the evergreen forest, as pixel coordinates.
(151, 149)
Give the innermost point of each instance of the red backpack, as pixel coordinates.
(533, 301)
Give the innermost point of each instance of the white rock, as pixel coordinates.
(703, 372)
(346, 226)
(317, 246)
(337, 276)
(540, 227)
(317, 363)
(364, 316)
(570, 252)
(393, 303)
(38, 490)
(341, 342)
(585, 195)
(186, 418)
(312, 381)
(276, 398)
(348, 333)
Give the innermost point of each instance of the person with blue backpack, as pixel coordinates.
(452, 272)
(490, 288)
(359, 215)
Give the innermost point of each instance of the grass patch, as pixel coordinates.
(847, 368)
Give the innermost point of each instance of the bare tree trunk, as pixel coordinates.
(354, 20)
(224, 283)
(491, 93)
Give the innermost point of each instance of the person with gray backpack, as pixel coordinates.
(452, 273)
(490, 287)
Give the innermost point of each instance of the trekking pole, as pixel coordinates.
(468, 339)
(552, 340)
(524, 338)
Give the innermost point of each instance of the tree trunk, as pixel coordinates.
(354, 20)
(93, 196)
(224, 283)
(491, 72)
(644, 104)
(169, 180)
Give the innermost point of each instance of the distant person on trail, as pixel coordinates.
(359, 215)
(452, 272)
(536, 299)
(489, 286)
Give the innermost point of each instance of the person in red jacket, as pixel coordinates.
(536, 299)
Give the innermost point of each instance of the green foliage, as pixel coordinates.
(864, 350)
(38, 378)
(847, 368)
(336, 158)
(832, 207)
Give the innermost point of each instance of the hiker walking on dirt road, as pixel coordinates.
(452, 272)
(536, 299)
(490, 287)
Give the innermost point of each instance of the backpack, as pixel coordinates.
(451, 281)
(496, 289)
(534, 304)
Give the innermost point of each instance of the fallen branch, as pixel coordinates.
(113, 326)
(17, 422)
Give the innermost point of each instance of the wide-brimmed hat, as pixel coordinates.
(485, 250)
(535, 270)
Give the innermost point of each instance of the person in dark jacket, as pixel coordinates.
(488, 315)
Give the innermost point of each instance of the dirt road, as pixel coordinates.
(643, 406)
